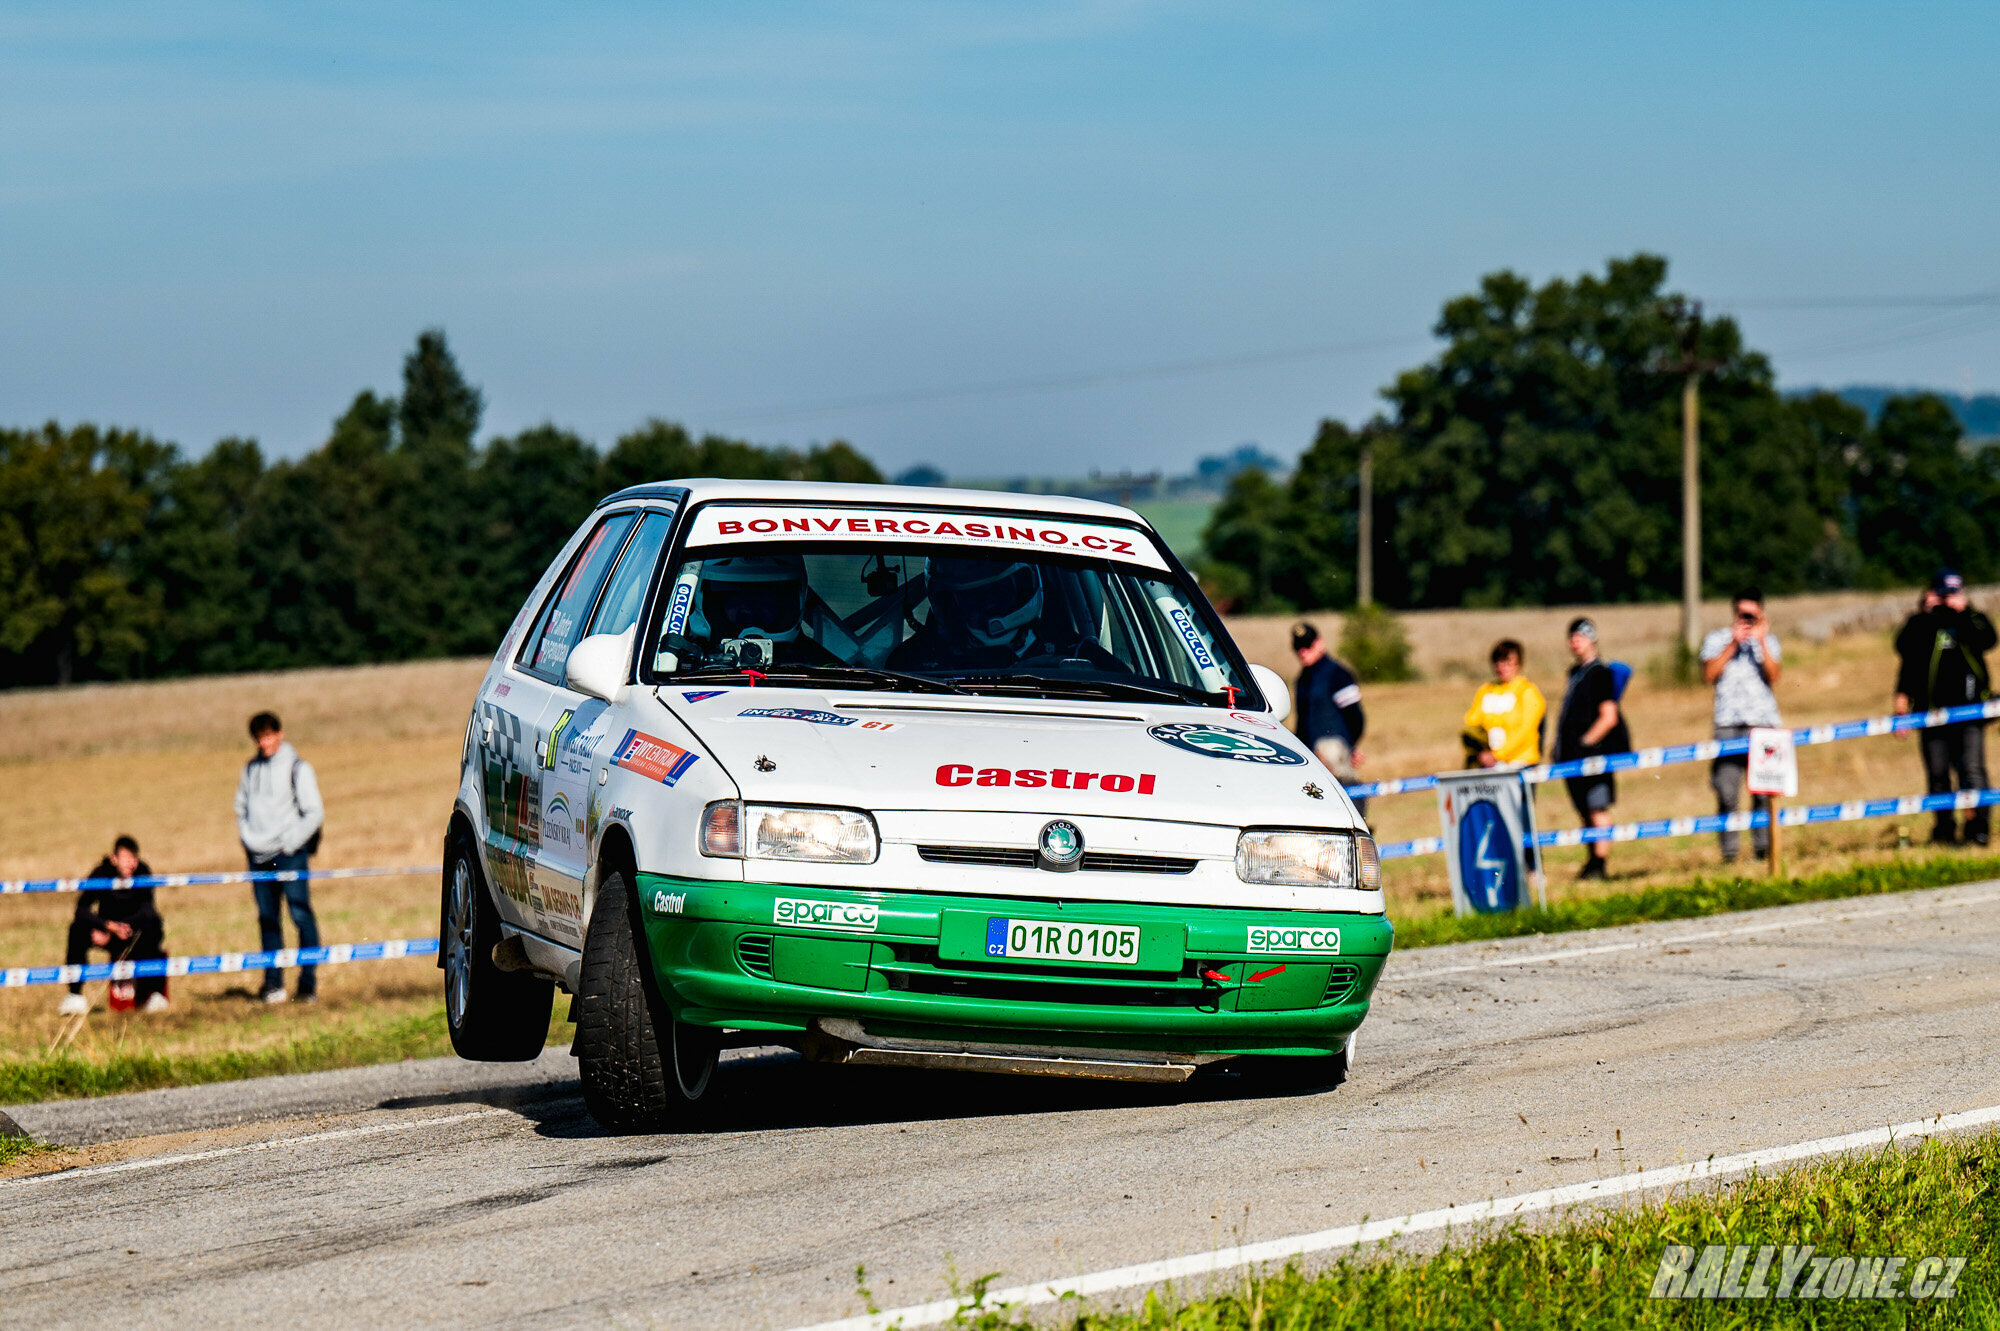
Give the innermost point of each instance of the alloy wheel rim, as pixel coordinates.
(458, 943)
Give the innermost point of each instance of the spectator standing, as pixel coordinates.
(1330, 716)
(1504, 723)
(1943, 649)
(124, 922)
(278, 819)
(1743, 661)
(1590, 725)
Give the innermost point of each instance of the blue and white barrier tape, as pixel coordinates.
(1709, 749)
(224, 963)
(10, 885)
(1847, 812)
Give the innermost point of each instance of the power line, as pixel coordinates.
(1054, 383)
(1975, 303)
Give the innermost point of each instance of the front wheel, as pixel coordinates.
(642, 1071)
(494, 1016)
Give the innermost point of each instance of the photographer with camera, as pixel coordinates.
(1943, 664)
(1743, 661)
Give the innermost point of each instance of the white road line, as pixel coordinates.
(1348, 1236)
(161, 1161)
(1836, 917)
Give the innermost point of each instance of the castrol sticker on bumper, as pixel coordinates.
(1287, 938)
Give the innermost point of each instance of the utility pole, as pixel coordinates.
(1364, 556)
(1690, 365)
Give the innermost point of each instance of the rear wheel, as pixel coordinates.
(642, 1070)
(494, 1016)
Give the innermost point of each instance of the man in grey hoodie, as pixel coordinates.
(278, 819)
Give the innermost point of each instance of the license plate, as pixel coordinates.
(1052, 940)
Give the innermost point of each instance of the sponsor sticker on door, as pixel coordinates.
(651, 756)
(1290, 938)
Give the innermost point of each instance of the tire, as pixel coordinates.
(642, 1070)
(494, 1016)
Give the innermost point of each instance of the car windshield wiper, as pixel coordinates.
(1091, 688)
(860, 677)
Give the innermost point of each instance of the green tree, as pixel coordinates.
(1920, 498)
(73, 503)
(1247, 529)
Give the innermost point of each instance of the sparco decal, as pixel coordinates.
(851, 917)
(650, 756)
(735, 523)
(1061, 778)
(1271, 938)
(1222, 742)
(1184, 625)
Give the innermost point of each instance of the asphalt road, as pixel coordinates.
(451, 1193)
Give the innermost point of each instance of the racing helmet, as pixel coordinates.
(752, 596)
(992, 602)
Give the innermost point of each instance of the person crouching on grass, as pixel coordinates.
(278, 819)
(122, 921)
(1590, 725)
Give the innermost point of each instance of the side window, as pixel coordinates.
(561, 624)
(619, 610)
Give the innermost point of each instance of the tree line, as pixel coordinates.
(1537, 461)
(399, 537)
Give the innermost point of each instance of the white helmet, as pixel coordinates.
(752, 596)
(991, 602)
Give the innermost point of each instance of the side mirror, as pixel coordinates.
(597, 665)
(1269, 683)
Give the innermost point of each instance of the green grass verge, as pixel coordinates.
(13, 1148)
(68, 1076)
(1703, 896)
(1940, 1199)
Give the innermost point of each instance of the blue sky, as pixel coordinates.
(800, 222)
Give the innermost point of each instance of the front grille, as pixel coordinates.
(1340, 983)
(999, 857)
(753, 954)
(1107, 862)
(1015, 857)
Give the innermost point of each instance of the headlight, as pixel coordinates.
(1308, 859)
(733, 830)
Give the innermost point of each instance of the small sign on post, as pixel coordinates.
(1774, 772)
(1487, 820)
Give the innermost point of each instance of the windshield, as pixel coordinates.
(918, 614)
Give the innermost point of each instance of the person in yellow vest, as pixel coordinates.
(1504, 723)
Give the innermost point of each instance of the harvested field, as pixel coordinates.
(160, 761)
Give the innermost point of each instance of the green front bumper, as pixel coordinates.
(912, 964)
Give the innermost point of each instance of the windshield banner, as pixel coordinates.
(729, 524)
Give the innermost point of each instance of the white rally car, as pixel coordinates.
(895, 776)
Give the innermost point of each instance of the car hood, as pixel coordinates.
(903, 751)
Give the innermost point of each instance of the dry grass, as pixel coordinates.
(161, 761)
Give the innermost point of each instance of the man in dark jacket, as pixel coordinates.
(1590, 725)
(1330, 716)
(1943, 649)
(122, 921)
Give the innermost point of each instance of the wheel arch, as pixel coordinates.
(615, 854)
